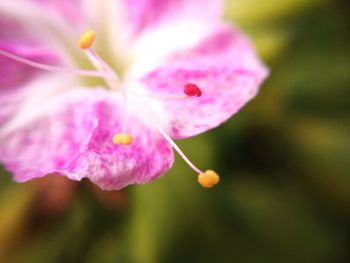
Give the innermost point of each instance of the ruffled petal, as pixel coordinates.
(143, 15)
(142, 30)
(15, 77)
(20, 40)
(58, 24)
(14, 74)
(226, 68)
(70, 10)
(72, 135)
(77, 15)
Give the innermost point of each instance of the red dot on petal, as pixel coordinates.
(191, 90)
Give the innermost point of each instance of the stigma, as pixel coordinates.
(191, 90)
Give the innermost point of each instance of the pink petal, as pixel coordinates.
(58, 23)
(15, 76)
(154, 28)
(73, 136)
(69, 9)
(16, 79)
(227, 70)
(145, 14)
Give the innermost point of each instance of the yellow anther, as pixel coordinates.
(118, 138)
(127, 139)
(208, 179)
(87, 39)
(123, 138)
(214, 177)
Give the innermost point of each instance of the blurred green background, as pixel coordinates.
(284, 162)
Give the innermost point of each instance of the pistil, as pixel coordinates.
(190, 90)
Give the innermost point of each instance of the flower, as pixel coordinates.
(172, 69)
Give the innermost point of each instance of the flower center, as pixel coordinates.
(206, 179)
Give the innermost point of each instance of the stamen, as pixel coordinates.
(87, 39)
(123, 138)
(85, 73)
(99, 63)
(206, 179)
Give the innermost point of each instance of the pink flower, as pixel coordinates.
(172, 69)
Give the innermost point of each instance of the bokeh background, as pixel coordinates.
(284, 162)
